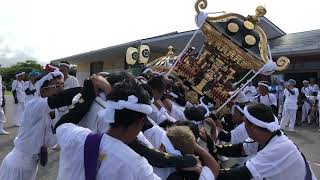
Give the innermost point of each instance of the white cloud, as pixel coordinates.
(52, 29)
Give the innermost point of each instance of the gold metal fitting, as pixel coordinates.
(233, 27)
(250, 40)
(249, 25)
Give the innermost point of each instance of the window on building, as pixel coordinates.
(96, 67)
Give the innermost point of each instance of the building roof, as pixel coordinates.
(157, 44)
(300, 43)
(160, 44)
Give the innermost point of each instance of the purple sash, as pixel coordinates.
(308, 175)
(91, 154)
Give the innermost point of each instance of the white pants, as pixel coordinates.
(19, 166)
(319, 116)
(17, 115)
(305, 110)
(288, 116)
(2, 119)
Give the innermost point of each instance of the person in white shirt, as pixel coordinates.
(2, 116)
(19, 98)
(29, 86)
(180, 140)
(69, 81)
(274, 155)
(265, 97)
(291, 94)
(313, 85)
(91, 120)
(142, 146)
(239, 133)
(307, 91)
(250, 91)
(35, 133)
(159, 113)
(126, 111)
(318, 99)
(280, 97)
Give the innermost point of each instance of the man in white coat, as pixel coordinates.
(19, 98)
(274, 155)
(290, 107)
(2, 116)
(69, 81)
(265, 97)
(116, 159)
(313, 85)
(307, 91)
(318, 105)
(35, 133)
(29, 86)
(250, 91)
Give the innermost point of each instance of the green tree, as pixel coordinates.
(8, 73)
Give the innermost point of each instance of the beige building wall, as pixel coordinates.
(114, 64)
(83, 72)
(109, 65)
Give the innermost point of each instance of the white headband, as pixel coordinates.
(239, 108)
(263, 84)
(151, 71)
(147, 70)
(272, 126)
(65, 64)
(47, 77)
(132, 103)
(141, 80)
(168, 146)
(210, 105)
(202, 104)
(173, 95)
(19, 74)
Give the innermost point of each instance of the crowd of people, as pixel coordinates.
(122, 127)
(289, 102)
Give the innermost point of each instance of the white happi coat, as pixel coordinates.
(71, 82)
(159, 116)
(154, 136)
(19, 107)
(2, 116)
(28, 84)
(19, 87)
(307, 91)
(120, 161)
(239, 134)
(291, 100)
(269, 99)
(177, 112)
(250, 92)
(279, 160)
(99, 125)
(318, 98)
(289, 109)
(35, 130)
(314, 87)
(91, 120)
